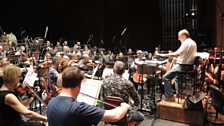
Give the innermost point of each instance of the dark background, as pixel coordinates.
(105, 19)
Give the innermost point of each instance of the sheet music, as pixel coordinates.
(110, 72)
(156, 62)
(30, 78)
(90, 87)
(203, 55)
(151, 62)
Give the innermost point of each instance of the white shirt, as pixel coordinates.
(187, 52)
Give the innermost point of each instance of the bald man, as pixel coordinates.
(185, 58)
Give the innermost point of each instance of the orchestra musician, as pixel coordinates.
(84, 64)
(2, 53)
(171, 61)
(52, 77)
(66, 49)
(135, 77)
(63, 64)
(77, 46)
(65, 110)
(3, 63)
(117, 86)
(86, 50)
(49, 46)
(185, 58)
(10, 105)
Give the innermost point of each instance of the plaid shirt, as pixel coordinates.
(119, 87)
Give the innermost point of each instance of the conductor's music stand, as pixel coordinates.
(143, 68)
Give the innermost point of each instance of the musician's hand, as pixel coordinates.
(131, 102)
(124, 104)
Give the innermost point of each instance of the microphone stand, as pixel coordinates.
(1, 30)
(103, 63)
(39, 68)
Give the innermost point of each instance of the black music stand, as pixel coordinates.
(143, 68)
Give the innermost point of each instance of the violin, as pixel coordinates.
(22, 89)
(25, 87)
(89, 64)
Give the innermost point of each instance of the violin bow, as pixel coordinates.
(36, 95)
(112, 105)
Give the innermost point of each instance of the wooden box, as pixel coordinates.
(175, 112)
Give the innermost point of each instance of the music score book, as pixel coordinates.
(92, 88)
(30, 78)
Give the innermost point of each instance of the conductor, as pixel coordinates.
(185, 59)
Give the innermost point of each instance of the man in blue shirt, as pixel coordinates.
(65, 110)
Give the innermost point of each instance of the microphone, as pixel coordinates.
(102, 42)
(90, 38)
(113, 40)
(123, 31)
(45, 35)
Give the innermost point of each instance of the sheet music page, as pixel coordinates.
(203, 55)
(30, 78)
(107, 72)
(156, 62)
(90, 87)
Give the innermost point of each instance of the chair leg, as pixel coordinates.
(216, 115)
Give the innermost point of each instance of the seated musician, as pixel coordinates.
(4, 62)
(86, 50)
(10, 105)
(65, 110)
(104, 58)
(66, 48)
(212, 74)
(185, 58)
(171, 61)
(2, 53)
(63, 64)
(84, 64)
(47, 57)
(111, 56)
(135, 77)
(25, 59)
(77, 45)
(52, 76)
(121, 57)
(117, 86)
(48, 45)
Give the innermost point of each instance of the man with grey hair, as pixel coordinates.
(185, 58)
(117, 86)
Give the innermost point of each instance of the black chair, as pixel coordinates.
(115, 101)
(217, 100)
(188, 76)
(185, 77)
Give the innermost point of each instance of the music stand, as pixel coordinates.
(143, 68)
